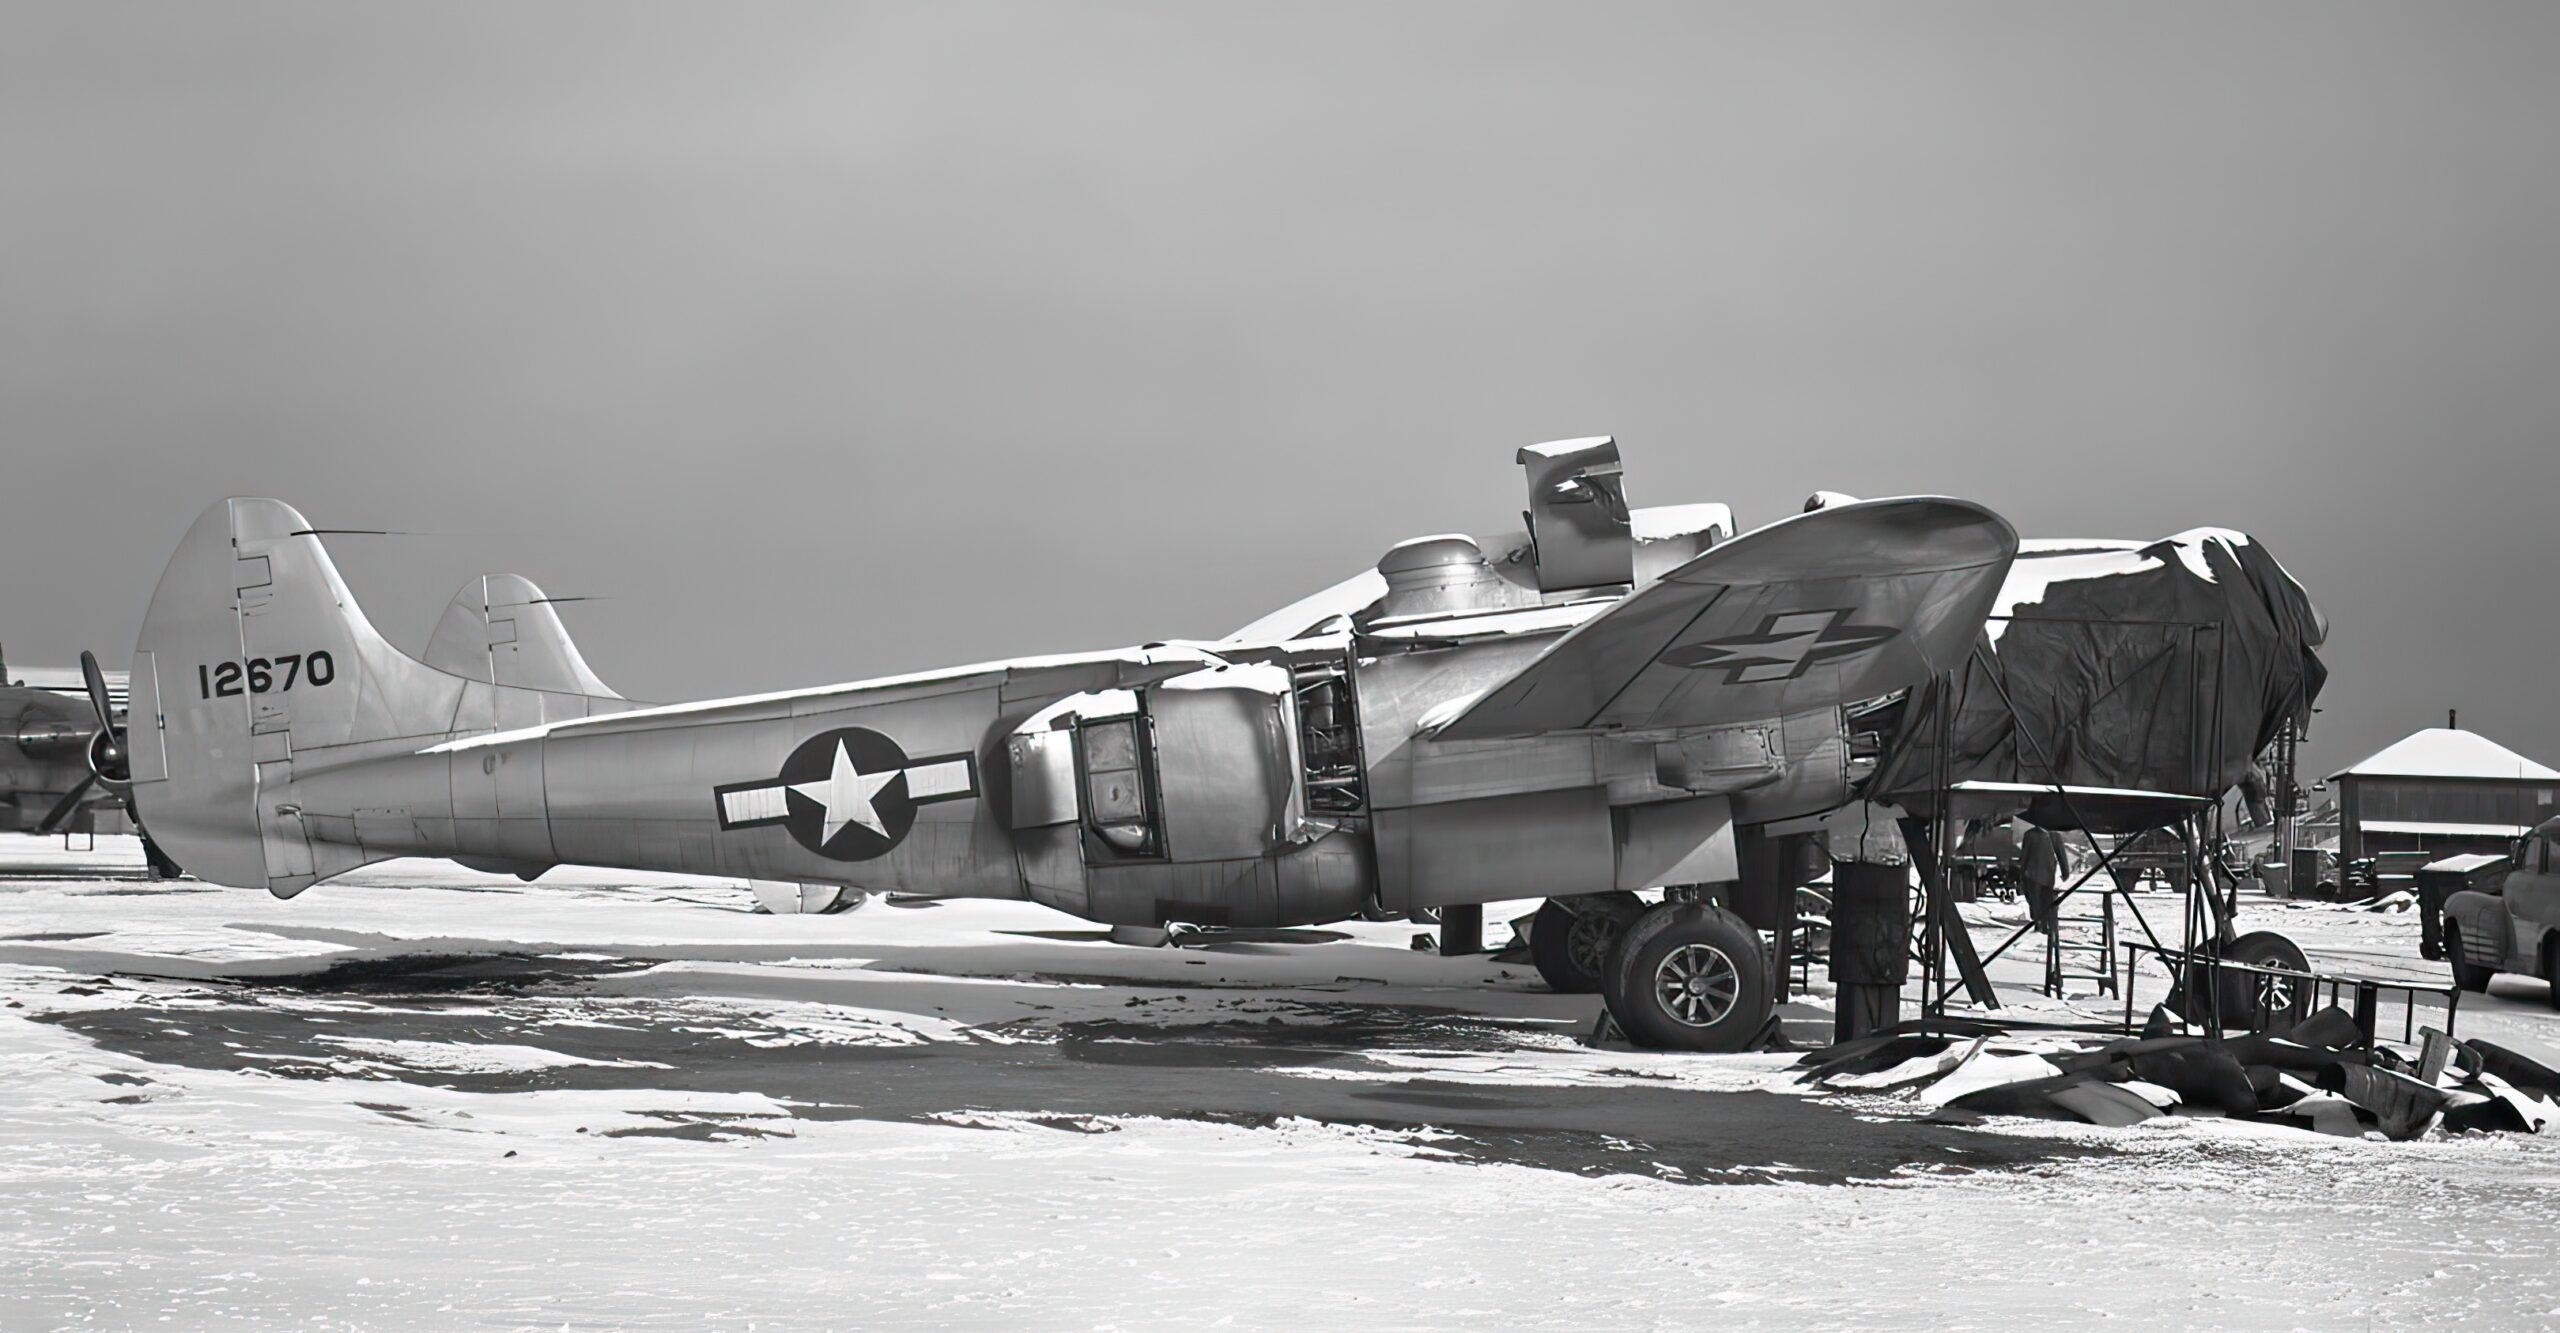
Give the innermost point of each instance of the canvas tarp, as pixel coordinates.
(2163, 667)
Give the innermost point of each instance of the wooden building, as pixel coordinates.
(2438, 792)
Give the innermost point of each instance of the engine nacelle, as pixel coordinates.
(1184, 801)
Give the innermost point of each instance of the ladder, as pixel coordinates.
(2082, 946)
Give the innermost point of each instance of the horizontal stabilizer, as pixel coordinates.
(1845, 603)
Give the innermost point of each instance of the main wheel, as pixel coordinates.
(2256, 1001)
(1689, 977)
(1571, 938)
(2551, 971)
(2466, 974)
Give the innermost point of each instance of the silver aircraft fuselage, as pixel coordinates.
(1593, 704)
(1225, 784)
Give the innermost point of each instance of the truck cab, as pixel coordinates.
(2515, 929)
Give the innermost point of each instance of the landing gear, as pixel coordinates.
(1571, 938)
(1689, 976)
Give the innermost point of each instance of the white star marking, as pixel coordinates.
(846, 793)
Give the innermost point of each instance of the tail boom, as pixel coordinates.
(256, 673)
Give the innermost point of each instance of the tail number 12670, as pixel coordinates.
(265, 675)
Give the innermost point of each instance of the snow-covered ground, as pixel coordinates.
(428, 1098)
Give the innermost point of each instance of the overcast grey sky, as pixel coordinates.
(832, 340)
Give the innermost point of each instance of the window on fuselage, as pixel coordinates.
(1118, 788)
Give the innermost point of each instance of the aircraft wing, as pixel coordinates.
(1823, 608)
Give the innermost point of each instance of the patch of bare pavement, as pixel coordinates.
(383, 1020)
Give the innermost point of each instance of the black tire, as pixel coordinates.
(2551, 970)
(1689, 977)
(1571, 942)
(2465, 975)
(2255, 1002)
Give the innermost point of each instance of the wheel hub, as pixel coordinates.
(1589, 940)
(2274, 994)
(1698, 985)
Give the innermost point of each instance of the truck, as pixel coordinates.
(2514, 928)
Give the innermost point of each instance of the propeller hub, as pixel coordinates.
(107, 757)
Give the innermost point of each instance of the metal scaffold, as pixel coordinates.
(1943, 946)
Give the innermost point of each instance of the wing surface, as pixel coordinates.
(1833, 606)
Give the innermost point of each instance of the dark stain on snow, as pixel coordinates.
(425, 974)
(1076, 1076)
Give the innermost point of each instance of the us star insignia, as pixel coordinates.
(849, 794)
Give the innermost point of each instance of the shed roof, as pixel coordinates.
(2448, 752)
(2443, 829)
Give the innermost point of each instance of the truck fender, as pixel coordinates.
(2481, 920)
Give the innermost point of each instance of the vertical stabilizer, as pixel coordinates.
(256, 668)
(501, 630)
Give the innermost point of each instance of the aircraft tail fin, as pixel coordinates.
(500, 629)
(255, 666)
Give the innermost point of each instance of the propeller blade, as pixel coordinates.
(62, 809)
(97, 682)
(106, 747)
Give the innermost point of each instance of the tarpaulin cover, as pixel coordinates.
(2164, 667)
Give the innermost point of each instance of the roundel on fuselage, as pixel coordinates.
(847, 793)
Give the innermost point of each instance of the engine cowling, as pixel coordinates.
(1184, 801)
